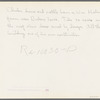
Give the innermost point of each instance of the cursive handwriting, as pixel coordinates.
(24, 49)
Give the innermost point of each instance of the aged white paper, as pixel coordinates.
(49, 49)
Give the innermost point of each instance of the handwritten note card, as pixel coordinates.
(49, 49)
